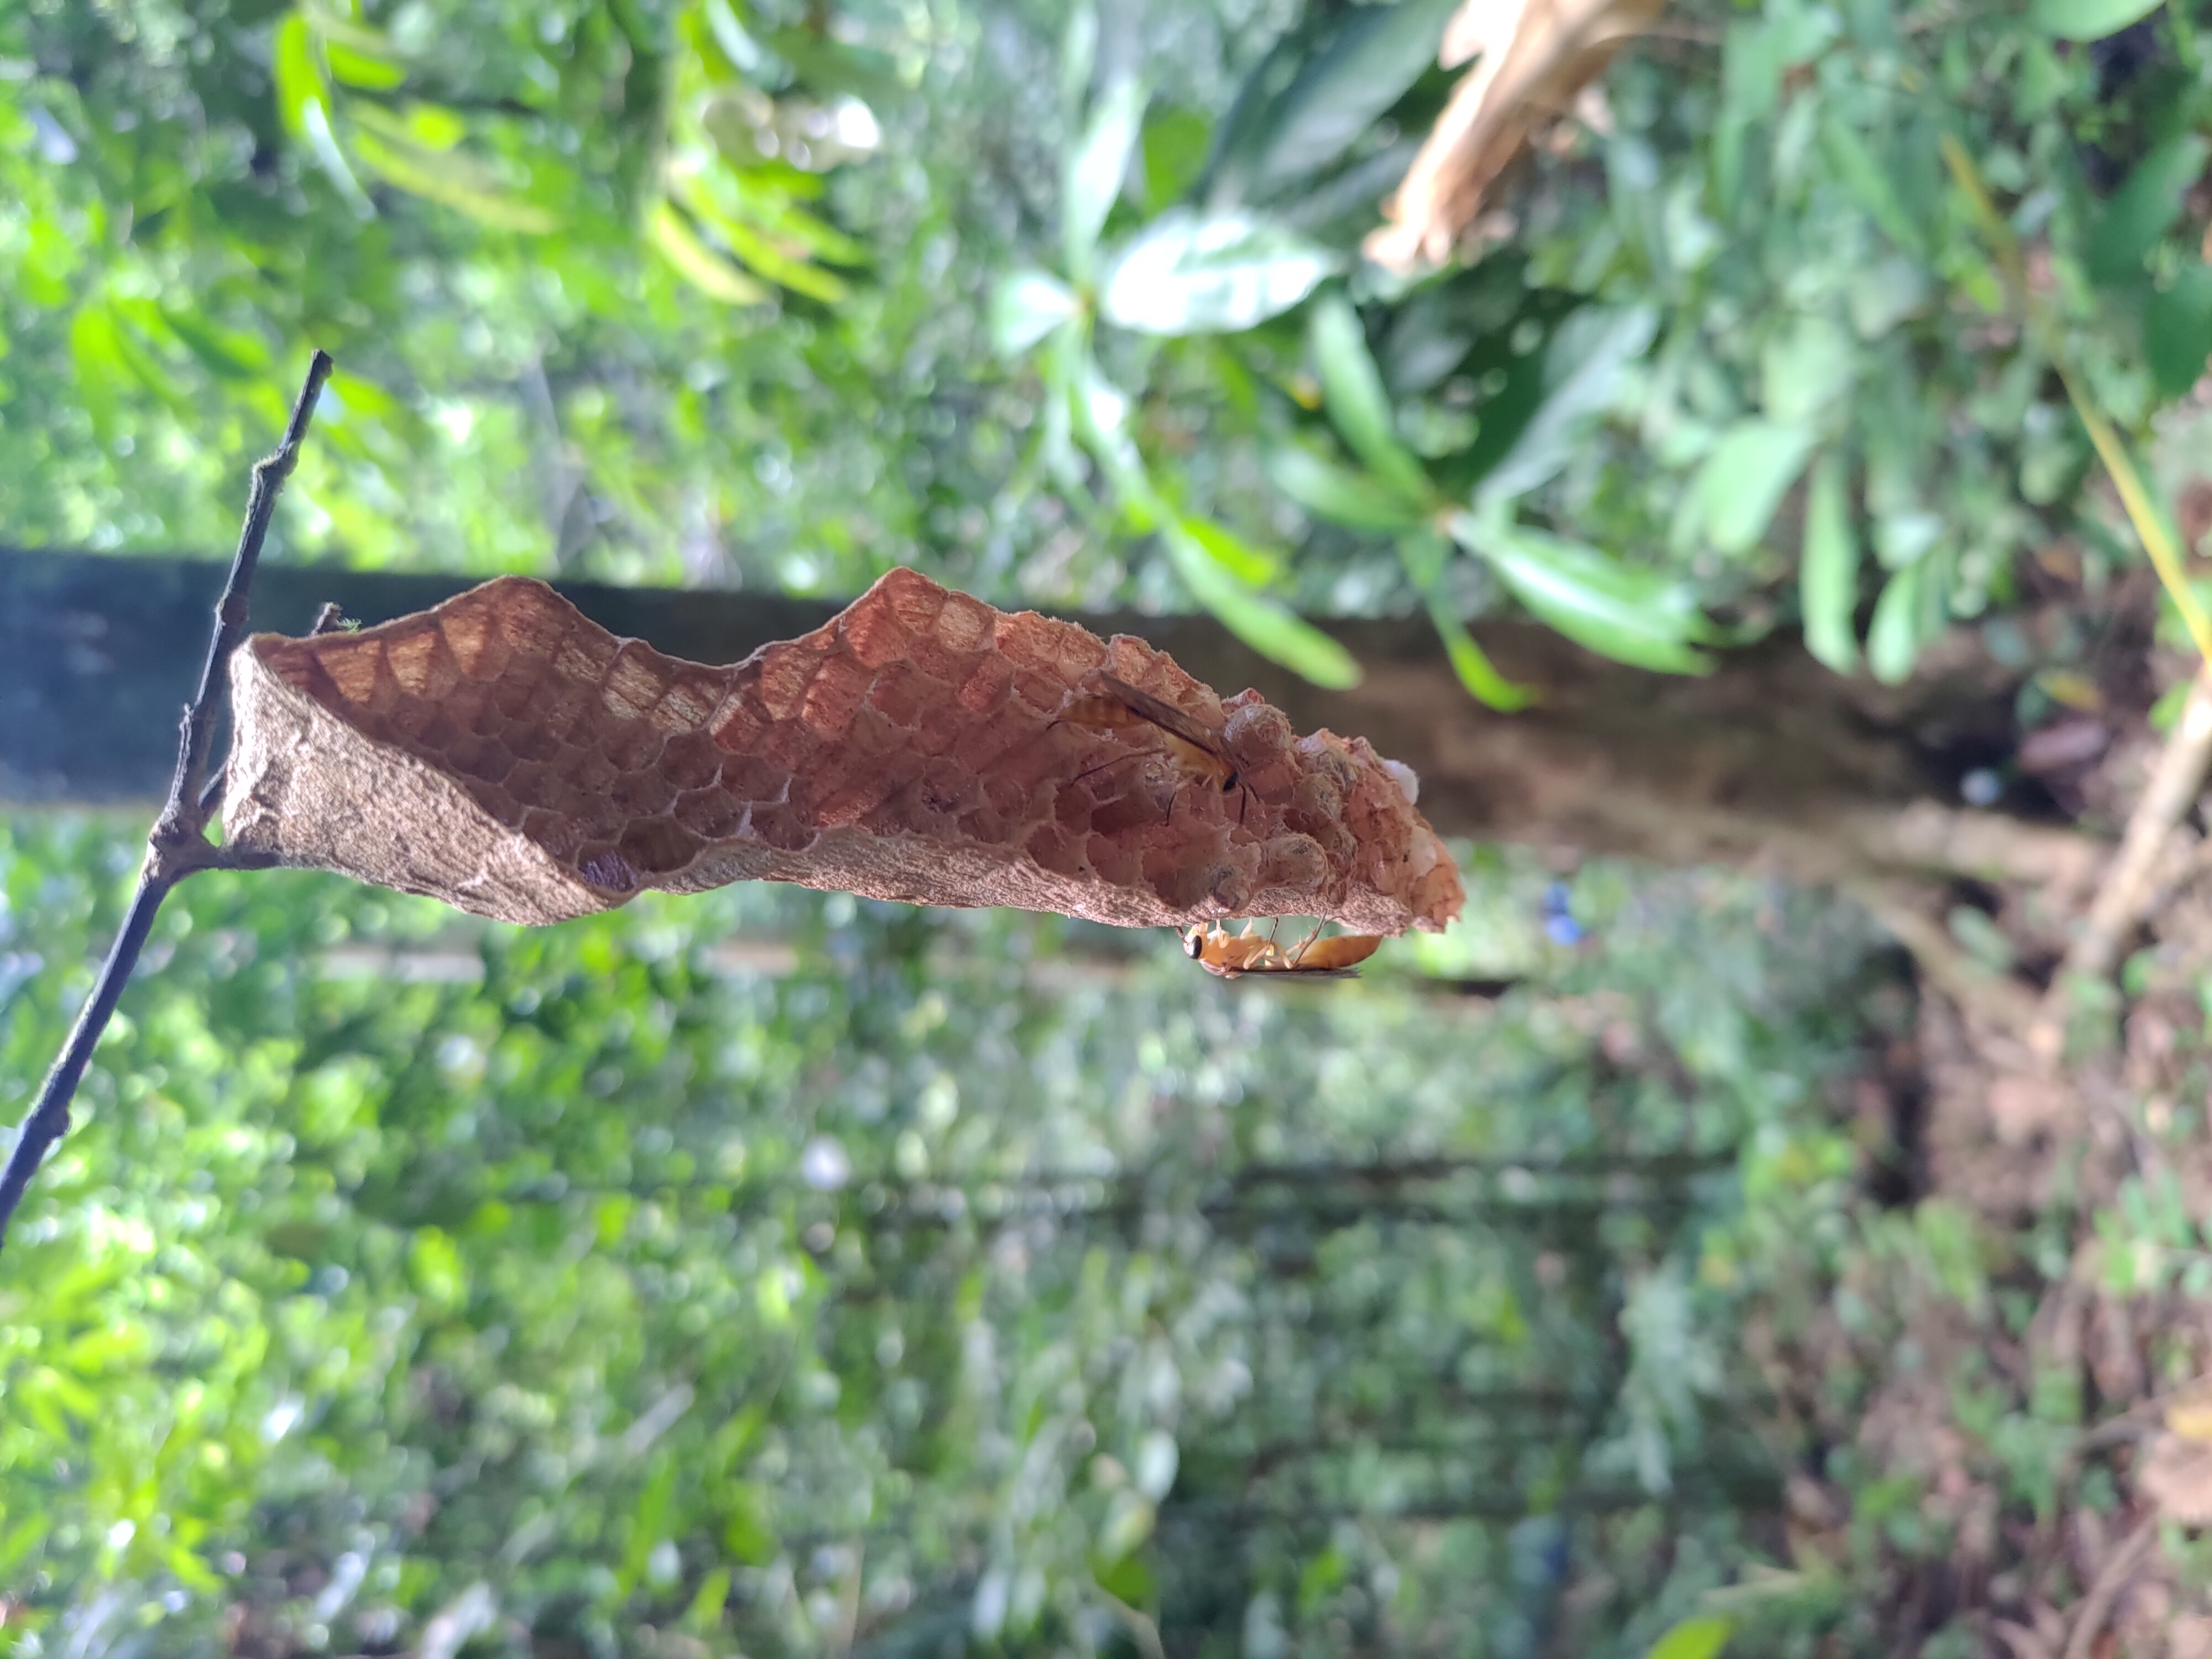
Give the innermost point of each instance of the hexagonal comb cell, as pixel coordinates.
(504, 752)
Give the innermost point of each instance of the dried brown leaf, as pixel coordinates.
(2176, 1475)
(1532, 60)
(506, 754)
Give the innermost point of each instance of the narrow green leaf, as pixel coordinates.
(2088, 20)
(1475, 670)
(1246, 562)
(1269, 628)
(297, 77)
(1828, 570)
(2143, 210)
(1026, 305)
(1744, 480)
(1893, 637)
(1094, 173)
(1694, 1638)
(353, 68)
(705, 270)
(1351, 389)
(462, 188)
(1190, 273)
(1637, 616)
(1357, 500)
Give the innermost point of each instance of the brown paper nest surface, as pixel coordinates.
(506, 754)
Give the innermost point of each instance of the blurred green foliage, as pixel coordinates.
(773, 1269)
(1069, 307)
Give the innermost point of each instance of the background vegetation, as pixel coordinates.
(783, 1273)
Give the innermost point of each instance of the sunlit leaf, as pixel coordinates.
(297, 76)
(1246, 562)
(1095, 170)
(1358, 500)
(1189, 273)
(431, 127)
(1828, 570)
(1352, 393)
(460, 187)
(1694, 1638)
(353, 68)
(705, 270)
(1025, 306)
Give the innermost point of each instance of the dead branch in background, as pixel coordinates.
(2131, 881)
(177, 844)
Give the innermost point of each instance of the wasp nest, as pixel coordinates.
(504, 753)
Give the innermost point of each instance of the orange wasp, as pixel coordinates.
(1229, 956)
(1122, 706)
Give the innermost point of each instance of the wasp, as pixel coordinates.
(1229, 956)
(1121, 706)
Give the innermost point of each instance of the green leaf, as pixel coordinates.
(2088, 20)
(1475, 670)
(1351, 391)
(1806, 369)
(1582, 366)
(1270, 629)
(1191, 273)
(1634, 616)
(449, 182)
(1828, 571)
(1246, 562)
(298, 78)
(434, 1266)
(1357, 500)
(1735, 493)
(1694, 1638)
(1893, 636)
(1357, 72)
(1868, 184)
(1174, 148)
(2143, 210)
(353, 68)
(713, 207)
(700, 265)
(1025, 306)
(1094, 172)
(2177, 330)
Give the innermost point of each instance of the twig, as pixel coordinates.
(177, 844)
(2112, 1578)
(2129, 883)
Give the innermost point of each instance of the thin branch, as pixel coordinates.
(2132, 877)
(177, 844)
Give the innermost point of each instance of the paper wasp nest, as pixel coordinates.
(505, 754)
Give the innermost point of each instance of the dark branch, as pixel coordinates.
(179, 843)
